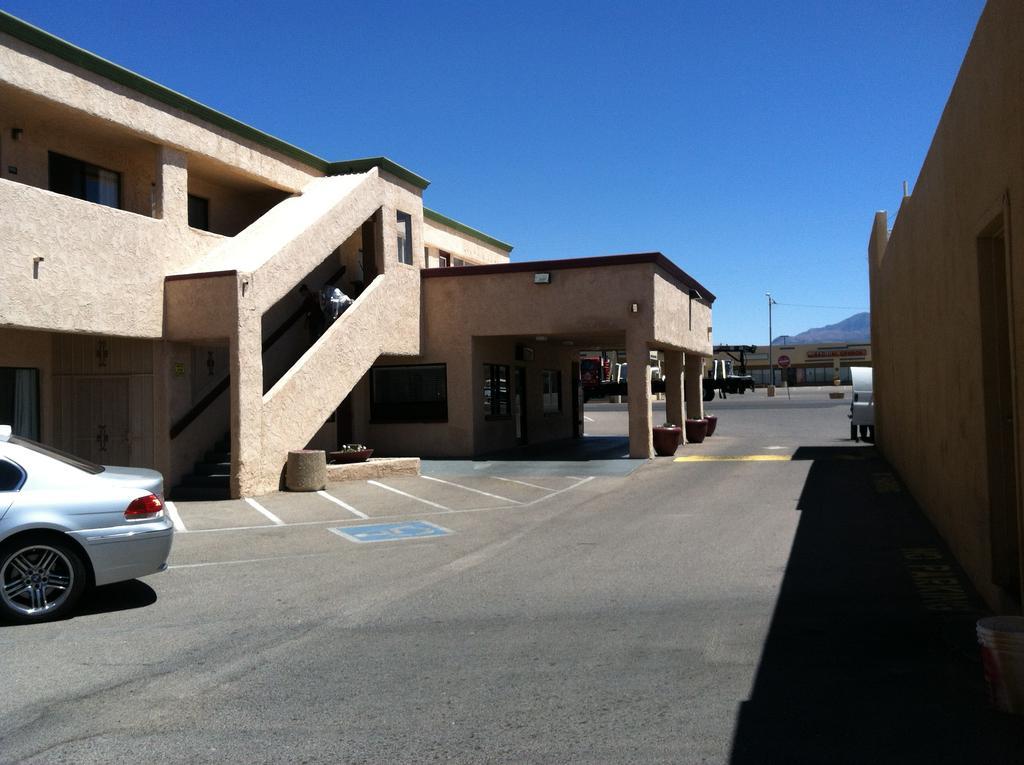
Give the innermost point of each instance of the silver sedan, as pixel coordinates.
(67, 524)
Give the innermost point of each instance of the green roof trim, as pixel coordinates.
(62, 49)
(385, 164)
(444, 220)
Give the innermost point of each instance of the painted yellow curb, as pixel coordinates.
(736, 458)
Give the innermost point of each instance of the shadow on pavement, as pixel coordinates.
(871, 654)
(121, 596)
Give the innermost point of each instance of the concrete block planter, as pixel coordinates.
(307, 470)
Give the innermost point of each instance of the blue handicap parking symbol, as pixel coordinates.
(390, 532)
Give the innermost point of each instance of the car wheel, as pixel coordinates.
(41, 577)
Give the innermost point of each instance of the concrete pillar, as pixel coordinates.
(641, 438)
(246, 351)
(674, 388)
(387, 252)
(170, 197)
(694, 386)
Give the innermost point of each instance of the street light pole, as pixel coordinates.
(771, 361)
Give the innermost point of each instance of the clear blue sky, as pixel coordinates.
(750, 141)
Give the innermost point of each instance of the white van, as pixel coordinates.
(862, 408)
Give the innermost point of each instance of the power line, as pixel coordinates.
(841, 307)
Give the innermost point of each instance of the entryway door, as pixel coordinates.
(101, 428)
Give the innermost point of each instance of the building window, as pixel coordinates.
(405, 238)
(497, 401)
(459, 262)
(198, 212)
(19, 401)
(552, 387)
(417, 393)
(79, 179)
(444, 260)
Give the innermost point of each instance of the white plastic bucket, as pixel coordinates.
(1002, 656)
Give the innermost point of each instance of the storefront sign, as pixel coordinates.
(843, 353)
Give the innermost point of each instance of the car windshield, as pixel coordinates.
(57, 454)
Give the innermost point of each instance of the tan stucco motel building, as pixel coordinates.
(151, 254)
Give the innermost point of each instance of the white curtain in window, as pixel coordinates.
(26, 403)
(107, 188)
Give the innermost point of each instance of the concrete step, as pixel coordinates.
(199, 493)
(212, 468)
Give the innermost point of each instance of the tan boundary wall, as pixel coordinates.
(925, 294)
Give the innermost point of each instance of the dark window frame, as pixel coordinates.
(428, 411)
(492, 397)
(83, 168)
(444, 259)
(404, 221)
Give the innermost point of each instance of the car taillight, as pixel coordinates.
(144, 508)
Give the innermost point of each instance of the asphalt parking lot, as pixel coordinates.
(516, 610)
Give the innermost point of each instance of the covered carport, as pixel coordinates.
(483, 323)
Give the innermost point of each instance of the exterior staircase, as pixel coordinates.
(227, 292)
(210, 479)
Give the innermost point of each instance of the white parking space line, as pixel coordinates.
(588, 419)
(260, 508)
(523, 483)
(250, 560)
(579, 482)
(264, 527)
(410, 496)
(172, 511)
(475, 491)
(339, 503)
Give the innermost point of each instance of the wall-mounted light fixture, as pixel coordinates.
(634, 308)
(541, 338)
(542, 278)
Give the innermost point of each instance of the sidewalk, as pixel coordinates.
(871, 655)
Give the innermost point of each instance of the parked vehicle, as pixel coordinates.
(722, 379)
(67, 524)
(862, 406)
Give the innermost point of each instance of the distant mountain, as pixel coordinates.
(856, 329)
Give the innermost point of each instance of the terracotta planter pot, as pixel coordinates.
(666, 441)
(712, 423)
(696, 431)
(344, 458)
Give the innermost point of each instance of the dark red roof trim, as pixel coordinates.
(603, 261)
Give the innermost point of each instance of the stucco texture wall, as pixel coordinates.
(47, 77)
(473, 319)
(440, 237)
(925, 295)
(102, 269)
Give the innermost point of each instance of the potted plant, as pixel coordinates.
(666, 439)
(712, 422)
(349, 453)
(696, 431)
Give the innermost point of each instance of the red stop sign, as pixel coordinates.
(783, 361)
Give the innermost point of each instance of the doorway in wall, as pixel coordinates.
(519, 404)
(1000, 417)
(101, 424)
